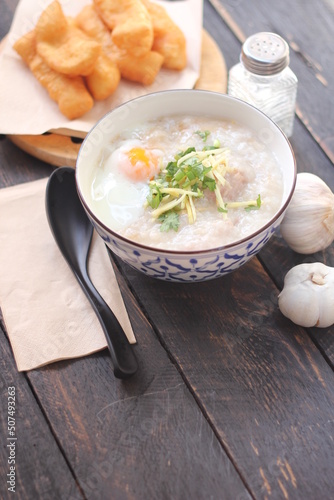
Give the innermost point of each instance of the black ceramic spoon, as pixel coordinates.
(73, 232)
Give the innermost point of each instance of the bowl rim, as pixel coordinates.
(190, 253)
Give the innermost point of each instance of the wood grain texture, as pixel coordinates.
(232, 401)
(314, 113)
(16, 166)
(278, 258)
(258, 377)
(135, 439)
(55, 149)
(7, 10)
(36, 452)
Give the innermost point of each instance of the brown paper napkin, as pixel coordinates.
(47, 315)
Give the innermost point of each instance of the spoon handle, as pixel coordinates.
(121, 351)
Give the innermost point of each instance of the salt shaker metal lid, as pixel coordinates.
(265, 54)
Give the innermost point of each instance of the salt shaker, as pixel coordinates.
(263, 78)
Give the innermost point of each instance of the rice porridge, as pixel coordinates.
(186, 183)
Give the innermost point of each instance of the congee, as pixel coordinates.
(186, 183)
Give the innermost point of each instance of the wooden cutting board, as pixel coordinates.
(62, 150)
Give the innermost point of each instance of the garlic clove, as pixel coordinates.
(308, 223)
(299, 304)
(326, 317)
(307, 297)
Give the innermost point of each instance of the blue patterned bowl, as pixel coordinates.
(188, 266)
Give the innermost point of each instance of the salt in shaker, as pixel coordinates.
(263, 78)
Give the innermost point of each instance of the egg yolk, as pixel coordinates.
(144, 164)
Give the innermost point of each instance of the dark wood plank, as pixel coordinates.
(310, 157)
(136, 439)
(278, 258)
(17, 166)
(263, 385)
(224, 37)
(311, 58)
(7, 10)
(113, 433)
(258, 408)
(40, 468)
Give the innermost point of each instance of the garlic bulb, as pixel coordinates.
(308, 223)
(307, 297)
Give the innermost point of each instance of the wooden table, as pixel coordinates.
(232, 400)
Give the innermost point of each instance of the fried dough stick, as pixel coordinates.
(90, 22)
(105, 77)
(70, 94)
(130, 24)
(142, 69)
(169, 40)
(63, 46)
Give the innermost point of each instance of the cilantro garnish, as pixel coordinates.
(184, 180)
(169, 220)
(203, 134)
(254, 206)
(154, 197)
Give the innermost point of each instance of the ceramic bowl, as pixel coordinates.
(180, 266)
